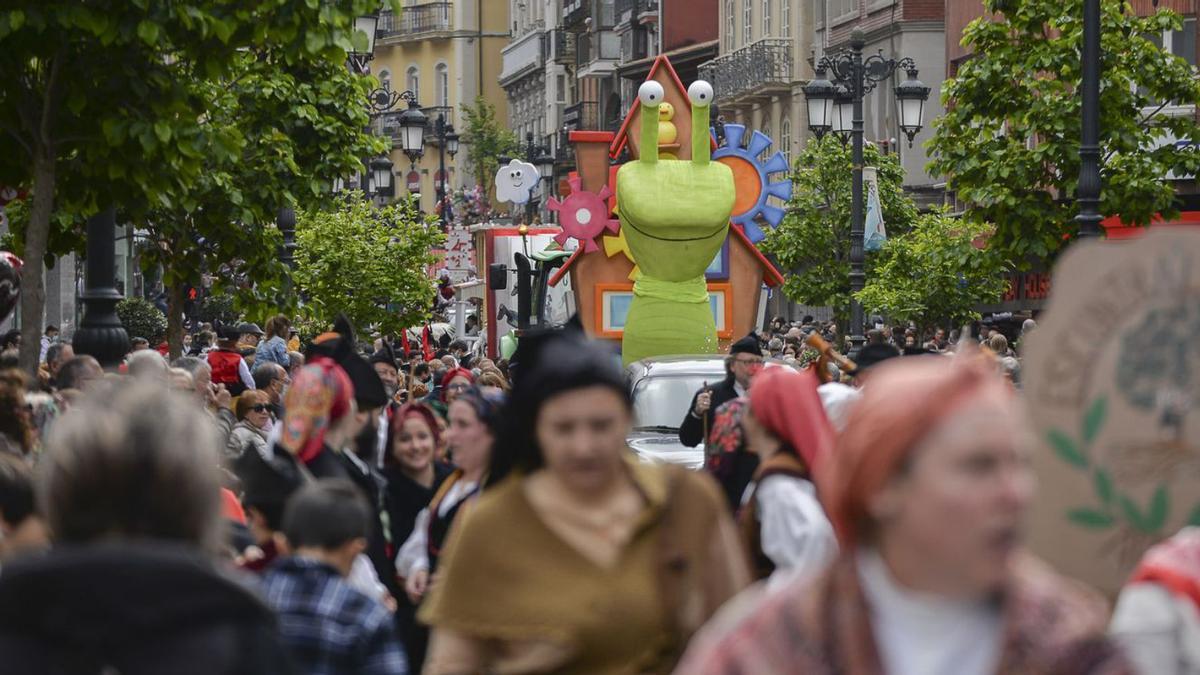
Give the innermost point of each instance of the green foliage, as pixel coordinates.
(812, 244)
(934, 274)
(1009, 140)
(369, 263)
(486, 140)
(142, 319)
(131, 103)
(217, 308)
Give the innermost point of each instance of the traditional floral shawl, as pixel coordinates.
(1053, 626)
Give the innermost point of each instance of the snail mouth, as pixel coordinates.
(702, 237)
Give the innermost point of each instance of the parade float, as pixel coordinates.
(665, 258)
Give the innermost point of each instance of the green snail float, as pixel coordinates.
(675, 216)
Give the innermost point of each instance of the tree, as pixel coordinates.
(142, 319)
(812, 243)
(486, 140)
(369, 263)
(937, 272)
(99, 105)
(1009, 141)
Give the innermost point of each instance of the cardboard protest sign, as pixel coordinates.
(1112, 380)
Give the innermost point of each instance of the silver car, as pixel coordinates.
(662, 389)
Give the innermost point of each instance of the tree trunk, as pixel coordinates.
(175, 319)
(37, 235)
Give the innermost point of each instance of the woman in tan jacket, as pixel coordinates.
(582, 559)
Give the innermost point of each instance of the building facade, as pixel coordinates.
(447, 54)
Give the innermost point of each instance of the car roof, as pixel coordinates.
(679, 365)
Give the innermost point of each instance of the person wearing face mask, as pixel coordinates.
(473, 422)
(413, 475)
(582, 559)
(926, 489)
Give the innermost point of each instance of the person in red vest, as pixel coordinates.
(228, 366)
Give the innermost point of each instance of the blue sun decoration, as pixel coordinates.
(752, 179)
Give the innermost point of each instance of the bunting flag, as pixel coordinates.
(427, 343)
(874, 233)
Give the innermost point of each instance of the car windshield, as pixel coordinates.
(662, 401)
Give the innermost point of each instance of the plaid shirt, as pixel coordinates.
(328, 627)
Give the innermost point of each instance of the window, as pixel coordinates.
(766, 17)
(747, 21)
(766, 153)
(560, 87)
(841, 8)
(785, 138)
(413, 81)
(785, 18)
(442, 74)
(730, 27)
(385, 79)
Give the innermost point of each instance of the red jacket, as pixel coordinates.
(224, 364)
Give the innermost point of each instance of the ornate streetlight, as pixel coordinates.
(858, 77)
(1087, 194)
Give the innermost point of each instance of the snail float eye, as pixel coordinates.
(700, 93)
(650, 93)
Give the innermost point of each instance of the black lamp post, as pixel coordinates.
(1087, 193)
(829, 103)
(447, 143)
(101, 334)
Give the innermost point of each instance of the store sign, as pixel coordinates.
(1027, 286)
(414, 181)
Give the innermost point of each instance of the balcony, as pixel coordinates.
(558, 46)
(575, 11)
(759, 69)
(521, 57)
(597, 53)
(415, 21)
(633, 12)
(583, 116)
(602, 13)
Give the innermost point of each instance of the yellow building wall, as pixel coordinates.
(458, 48)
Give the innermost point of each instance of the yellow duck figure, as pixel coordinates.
(666, 129)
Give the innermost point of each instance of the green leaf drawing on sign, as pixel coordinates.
(1132, 513)
(1194, 519)
(1091, 518)
(1066, 449)
(1094, 419)
(1156, 516)
(1104, 487)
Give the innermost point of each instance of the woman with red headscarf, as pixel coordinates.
(783, 525)
(926, 490)
(413, 475)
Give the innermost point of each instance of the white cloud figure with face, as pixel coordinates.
(515, 181)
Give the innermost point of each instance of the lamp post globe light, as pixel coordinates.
(819, 94)
(367, 24)
(837, 105)
(412, 128)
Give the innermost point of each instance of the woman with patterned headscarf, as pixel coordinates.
(926, 489)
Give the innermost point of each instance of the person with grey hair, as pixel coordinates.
(78, 373)
(130, 490)
(148, 365)
(215, 399)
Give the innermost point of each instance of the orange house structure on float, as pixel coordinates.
(603, 279)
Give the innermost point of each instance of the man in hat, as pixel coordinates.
(249, 336)
(229, 369)
(744, 362)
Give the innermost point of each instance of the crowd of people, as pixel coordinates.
(261, 506)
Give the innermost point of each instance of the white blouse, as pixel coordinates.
(795, 533)
(923, 633)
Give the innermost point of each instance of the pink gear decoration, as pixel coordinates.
(583, 215)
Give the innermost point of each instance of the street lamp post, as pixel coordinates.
(1087, 193)
(101, 334)
(447, 143)
(540, 157)
(829, 105)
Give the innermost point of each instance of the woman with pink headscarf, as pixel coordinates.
(783, 525)
(926, 489)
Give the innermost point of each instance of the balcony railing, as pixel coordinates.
(575, 11)
(416, 20)
(388, 124)
(759, 67)
(632, 10)
(594, 46)
(584, 116)
(558, 46)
